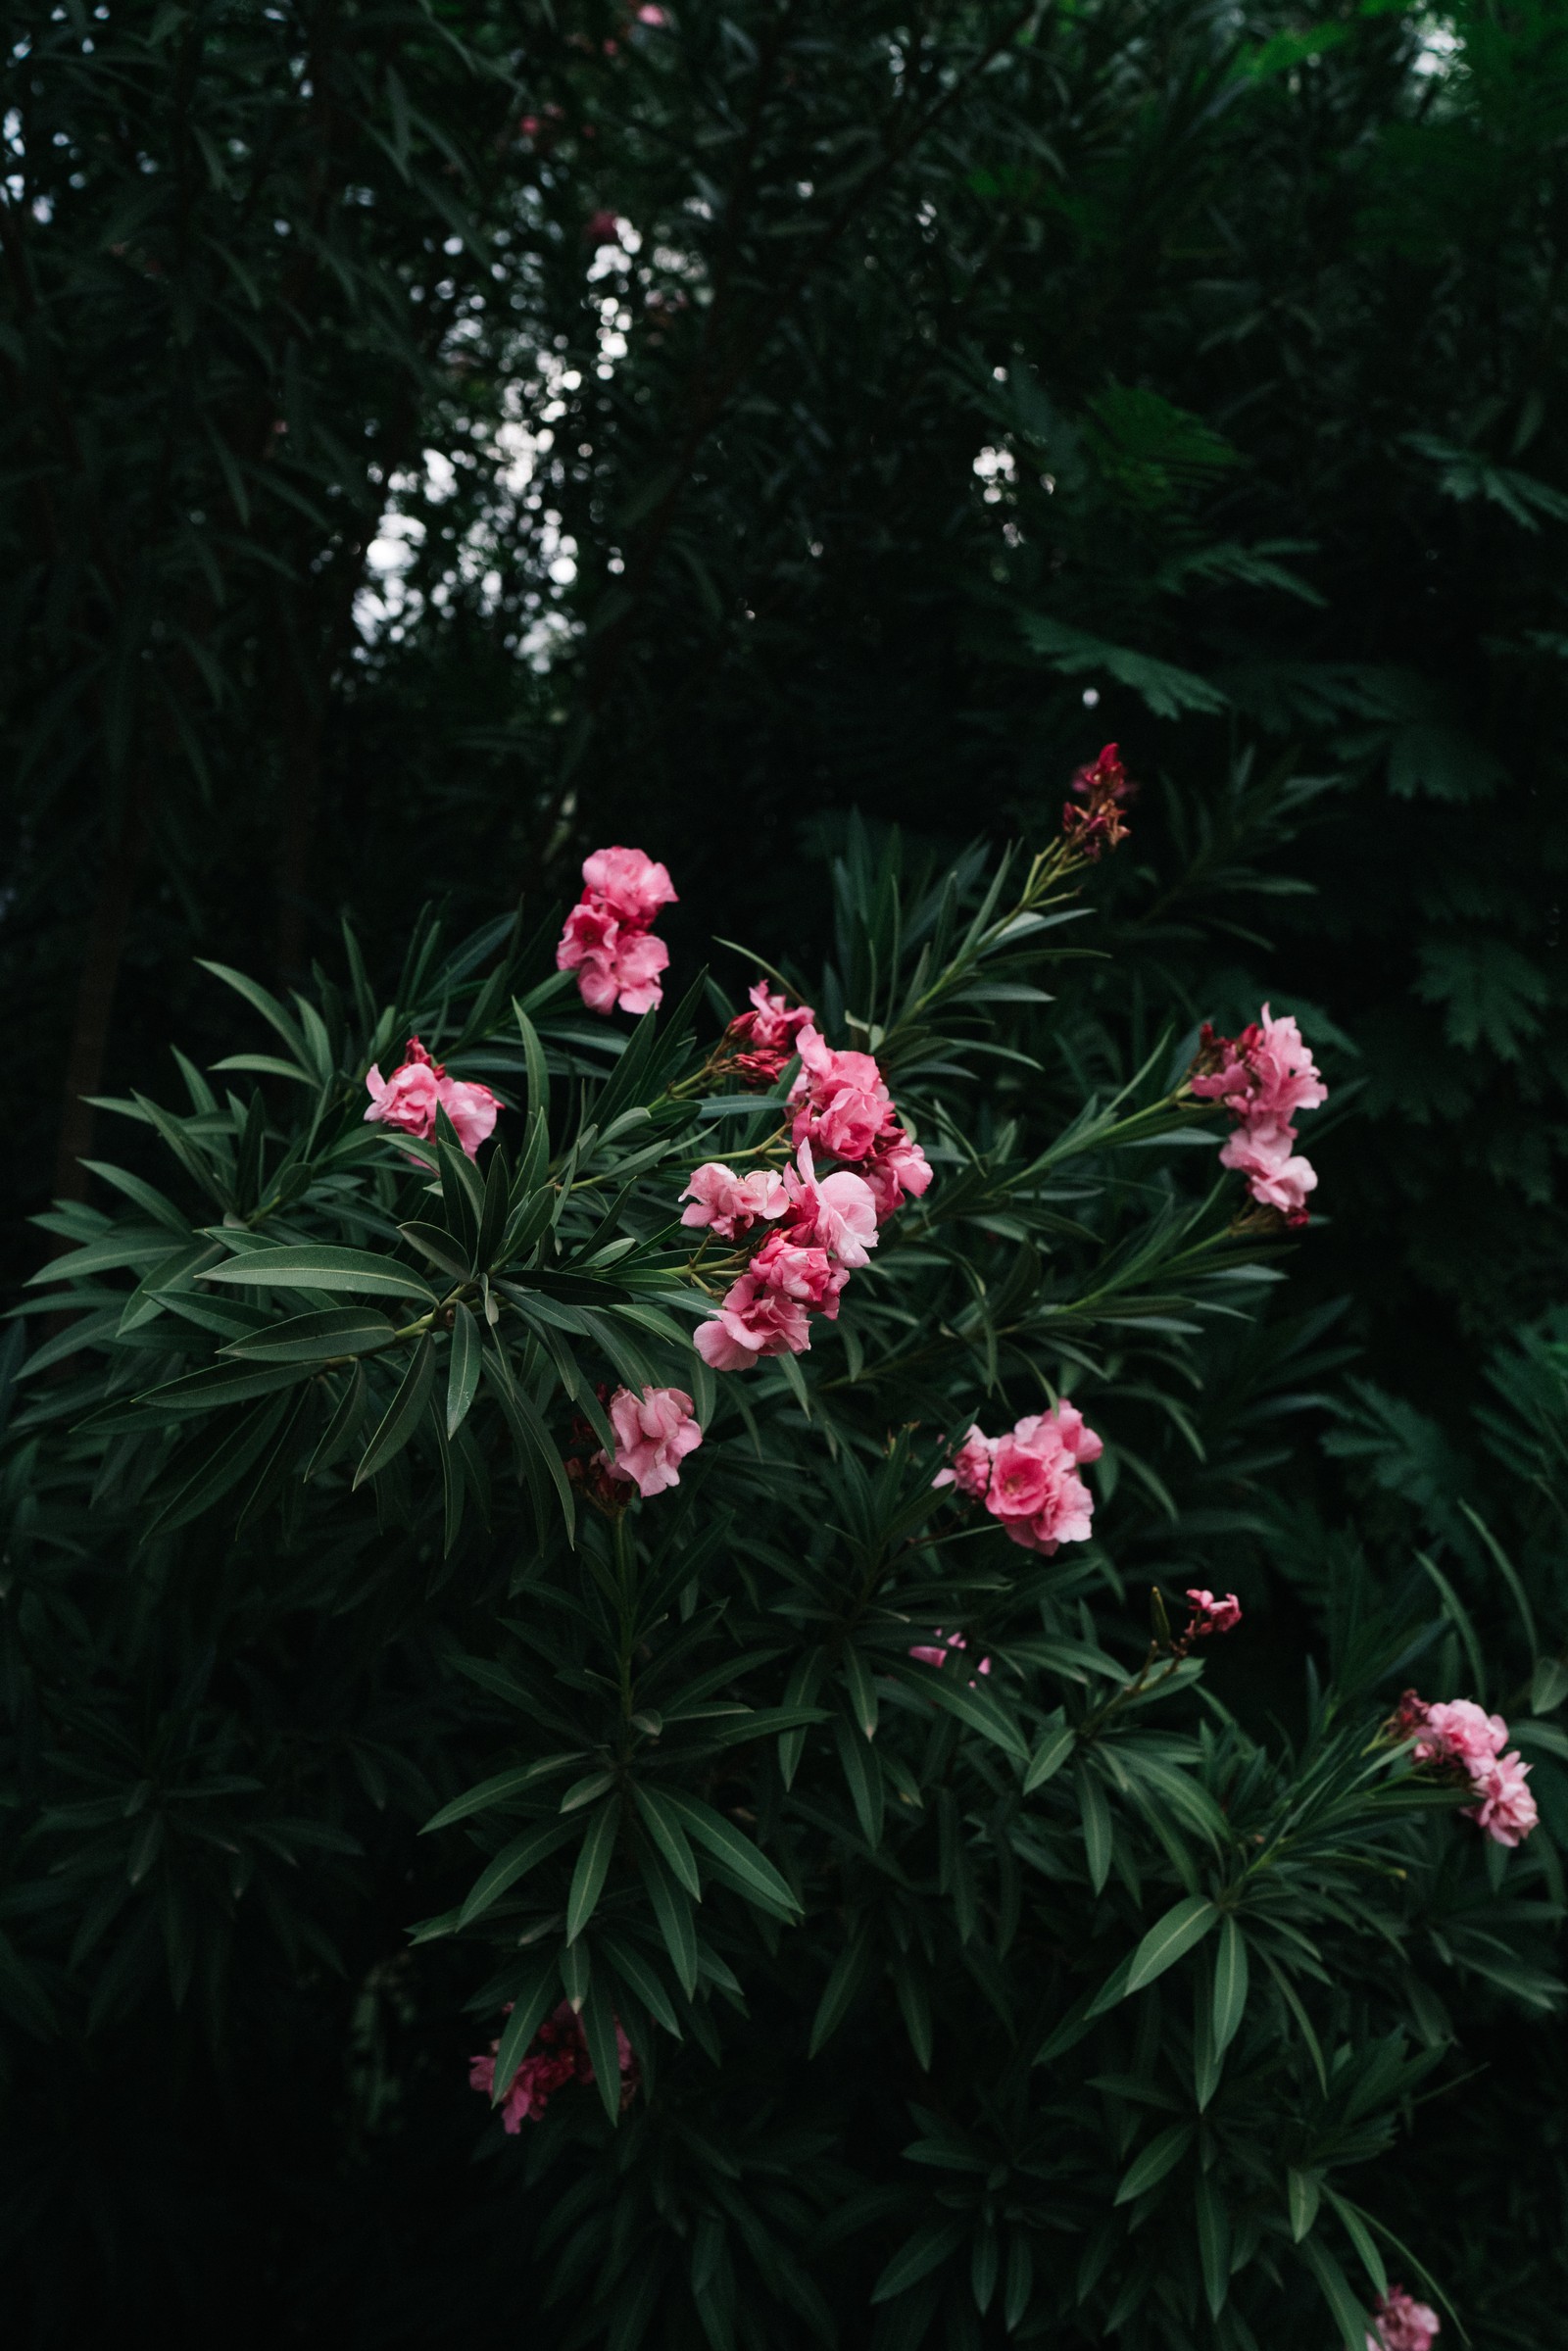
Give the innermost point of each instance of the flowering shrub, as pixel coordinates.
(583, 1461)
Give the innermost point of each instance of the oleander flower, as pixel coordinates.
(473, 1110)
(1459, 1733)
(1401, 2324)
(630, 886)
(969, 1470)
(896, 1169)
(1276, 1176)
(653, 1433)
(1211, 1615)
(556, 2055)
(1029, 1479)
(1508, 1809)
(836, 1212)
(729, 1205)
(407, 1099)
(1459, 1726)
(843, 1103)
(803, 1272)
(764, 1037)
(753, 1320)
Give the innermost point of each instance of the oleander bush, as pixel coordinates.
(518, 1562)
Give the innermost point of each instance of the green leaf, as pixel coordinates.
(862, 1690)
(1302, 2193)
(1055, 1745)
(918, 2258)
(672, 1909)
(1229, 1985)
(640, 1981)
(1161, 2155)
(665, 1828)
(315, 1338)
(401, 1415)
(1099, 1835)
(1548, 1685)
(1348, 2313)
(975, 1708)
(737, 1852)
(849, 1972)
(593, 1867)
(497, 1791)
(1167, 690)
(1213, 2242)
(514, 1861)
(603, 2049)
(312, 1265)
(1170, 1938)
(531, 2003)
(462, 1370)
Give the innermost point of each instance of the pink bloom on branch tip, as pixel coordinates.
(556, 2055)
(409, 1100)
(630, 884)
(896, 1168)
(753, 1321)
(730, 1205)
(836, 1212)
(1401, 2324)
(1211, 1615)
(843, 1103)
(1458, 1727)
(802, 1272)
(653, 1433)
(1508, 1809)
(1276, 1177)
(971, 1468)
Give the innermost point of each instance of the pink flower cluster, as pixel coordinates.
(409, 1100)
(653, 1433)
(1029, 1479)
(765, 1037)
(1211, 1615)
(825, 1226)
(1263, 1077)
(608, 940)
(558, 2054)
(1104, 789)
(1458, 1732)
(1401, 2324)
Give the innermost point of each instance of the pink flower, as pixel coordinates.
(649, 14)
(1508, 1809)
(896, 1168)
(559, 2054)
(1459, 1726)
(953, 1641)
(406, 1100)
(970, 1467)
(471, 1109)
(618, 966)
(1028, 1478)
(1035, 1490)
(632, 887)
(606, 941)
(837, 1212)
(1274, 1175)
(753, 1320)
(1210, 1615)
(765, 1035)
(654, 1434)
(1401, 2324)
(1456, 1731)
(843, 1105)
(805, 1273)
(730, 1205)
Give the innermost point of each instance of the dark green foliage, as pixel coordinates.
(1205, 361)
(337, 1635)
